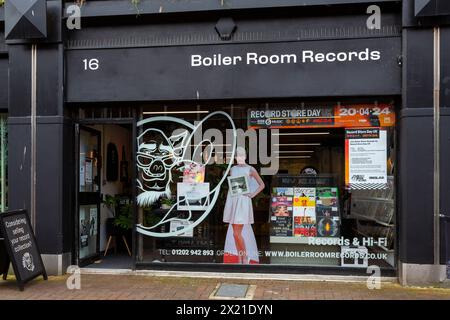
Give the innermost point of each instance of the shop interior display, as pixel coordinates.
(374, 213)
(306, 214)
(304, 210)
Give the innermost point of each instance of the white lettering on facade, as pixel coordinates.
(306, 56)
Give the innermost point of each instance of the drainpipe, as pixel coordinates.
(436, 105)
(33, 136)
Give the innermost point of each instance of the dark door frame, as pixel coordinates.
(117, 121)
(91, 258)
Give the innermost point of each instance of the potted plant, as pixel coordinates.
(167, 203)
(123, 224)
(121, 221)
(150, 218)
(111, 203)
(124, 219)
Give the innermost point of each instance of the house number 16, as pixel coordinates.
(91, 64)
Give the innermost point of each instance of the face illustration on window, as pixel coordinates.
(161, 154)
(157, 156)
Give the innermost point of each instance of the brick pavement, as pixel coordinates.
(124, 287)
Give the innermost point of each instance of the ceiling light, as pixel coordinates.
(295, 151)
(296, 144)
(293, 157)
(299, 133)
(177, 112)
(212, 144)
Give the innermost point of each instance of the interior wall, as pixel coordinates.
(326, 160)
(120, 136)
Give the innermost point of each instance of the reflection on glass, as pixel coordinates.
(307, 214)
(88, 162)
(88, 230)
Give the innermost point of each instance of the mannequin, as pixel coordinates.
(238, 212)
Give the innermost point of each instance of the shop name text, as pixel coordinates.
(306, 56)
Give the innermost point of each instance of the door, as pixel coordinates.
(89, 196)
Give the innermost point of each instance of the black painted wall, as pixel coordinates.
(445, 184)
(54, 150)
(416, 165)
(415, 185)
(19, 128)
(445, 67)
(4, 82)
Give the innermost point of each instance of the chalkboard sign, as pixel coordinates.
(21, 247)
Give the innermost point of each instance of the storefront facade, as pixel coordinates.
(337, 120)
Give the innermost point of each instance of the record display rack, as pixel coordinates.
(374, 212)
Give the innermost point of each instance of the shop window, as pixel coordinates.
(326, 197)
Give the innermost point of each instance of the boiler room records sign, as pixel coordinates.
(366, 158)
(329, 68)
(345, 116)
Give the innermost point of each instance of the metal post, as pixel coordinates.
(33, 136)
(436, 102)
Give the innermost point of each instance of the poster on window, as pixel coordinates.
(281, 226)
(82, 172)
(84, 229)
(281, 212)
(305, 222)
(325, 116)
(366, 158)
(304, 197)
(192, 196)
(176, 225)
(88, 171)
(93, 222)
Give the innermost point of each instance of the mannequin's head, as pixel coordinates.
(241, 155)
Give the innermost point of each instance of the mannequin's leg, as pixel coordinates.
(239, 240)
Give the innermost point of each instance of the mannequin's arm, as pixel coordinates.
(261, 185)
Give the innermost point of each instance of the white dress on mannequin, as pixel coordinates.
(239, 210)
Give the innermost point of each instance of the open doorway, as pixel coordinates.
(105, 208)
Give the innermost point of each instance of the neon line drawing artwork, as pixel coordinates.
(160, 155)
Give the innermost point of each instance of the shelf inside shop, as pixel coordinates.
(363, 217)
(376, 199)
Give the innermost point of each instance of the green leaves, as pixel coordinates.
(124, 219)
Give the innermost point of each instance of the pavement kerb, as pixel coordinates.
(237, 276)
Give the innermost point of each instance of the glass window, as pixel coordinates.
(267, 183)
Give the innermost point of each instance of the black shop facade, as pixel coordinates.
(247, 142)
(273, 95)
